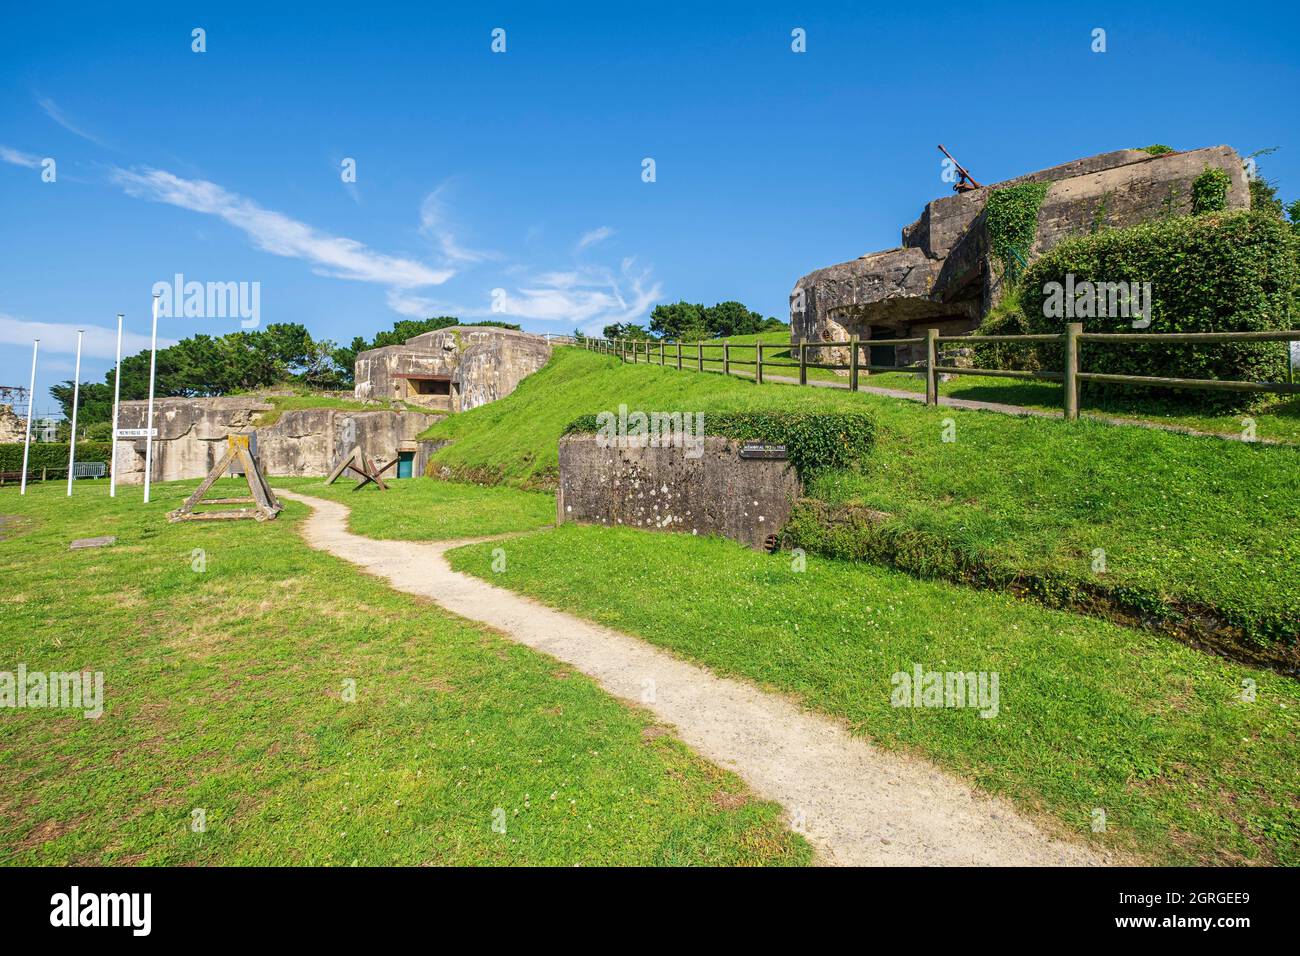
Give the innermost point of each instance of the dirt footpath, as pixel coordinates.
(856, 804)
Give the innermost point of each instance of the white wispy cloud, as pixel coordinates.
(434, 225)
(281, 235)
(415, 306)
(599, 234)
(53, 112)
(586, 297)
(61, 337)
(18, 157)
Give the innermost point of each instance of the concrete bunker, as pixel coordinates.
(722, 491)
(191, 437)
(452, 369)
(943, 275)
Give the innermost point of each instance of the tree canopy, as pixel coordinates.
(205, 365)
(687, 321)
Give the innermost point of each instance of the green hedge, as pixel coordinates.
(1210, 191)
(51, 455)
(1223, 272)
(814, 441)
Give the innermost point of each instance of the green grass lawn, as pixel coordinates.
(1180, 518)
(428, 509)
(224, 690)
(1277, 420)
(1091, 715)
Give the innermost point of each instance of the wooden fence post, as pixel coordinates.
(853, 363)
(758, 362)
(661, 353)
(931, 360)
(726, 357)
(699, 356)
(803, 362)
(1072, 332)
(679, 355)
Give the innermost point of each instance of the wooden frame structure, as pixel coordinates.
(259, 492)
(363, 466)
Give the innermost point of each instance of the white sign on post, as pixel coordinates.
(137, 433)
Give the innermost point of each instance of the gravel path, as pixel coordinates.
(856, 804)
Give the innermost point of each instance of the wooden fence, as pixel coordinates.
(692, 356)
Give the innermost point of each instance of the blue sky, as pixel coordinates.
(522, 171)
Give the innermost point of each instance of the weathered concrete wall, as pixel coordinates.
(662, 489)
(310, 441)
(943, 276)
(481, 363)
(12, 428)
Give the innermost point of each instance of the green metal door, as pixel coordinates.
(405, 463)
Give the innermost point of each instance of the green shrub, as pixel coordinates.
(52, 455)
(1210, 191)
(1157, 149)
(814, 440)
(1005, 318)
(1263, 197)
(1228, 272)
(1011, 220)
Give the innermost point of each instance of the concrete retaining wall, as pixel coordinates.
(311, 441)
(661, 489)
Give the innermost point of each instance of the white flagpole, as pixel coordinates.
(76, 397)
(148, 434)
(117, 393)
(31, 404)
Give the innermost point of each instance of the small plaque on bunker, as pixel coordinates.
(763, 450)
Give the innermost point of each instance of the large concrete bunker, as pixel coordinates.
(452, 369)
(943, 276)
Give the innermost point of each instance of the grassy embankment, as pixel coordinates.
(1277, 420)
(1169, 527)
(225, 649)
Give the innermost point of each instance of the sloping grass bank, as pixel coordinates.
(1276, 419)
(1173, 527)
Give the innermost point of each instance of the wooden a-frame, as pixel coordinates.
(363, 466)
(260, 494)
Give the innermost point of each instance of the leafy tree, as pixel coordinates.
(731, 318)
(625, 330)
(671, 320)
(203, 365)
(687, 321)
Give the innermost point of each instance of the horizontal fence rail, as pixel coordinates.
(692, 355)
